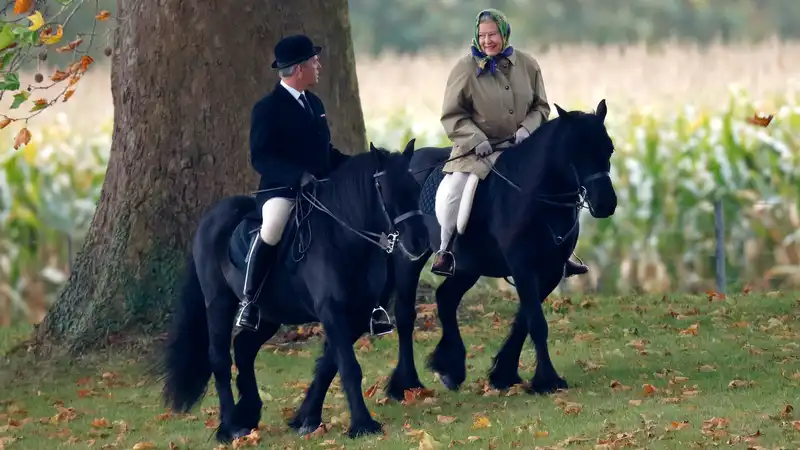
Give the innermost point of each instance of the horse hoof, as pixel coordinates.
(547, 385)
(308, 428)
(241, 432)
(366, 428)
(450, 383)
(224, 435)
(505, 381)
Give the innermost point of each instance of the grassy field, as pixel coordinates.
(645, 372)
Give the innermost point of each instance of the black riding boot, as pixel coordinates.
(258, 266)
(573, 268)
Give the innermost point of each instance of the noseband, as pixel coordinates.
(388, 241)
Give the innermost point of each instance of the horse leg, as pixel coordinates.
(504, 372)
(220, 315)
(531, 295)
(336, 326)
(247, 412)
(449, 358)
(308, 416)
(405, 374)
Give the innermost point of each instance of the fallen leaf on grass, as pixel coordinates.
(736, 384)
(144, 446)
(617, 386)
(411, 396)
(480, 422)
(676, 426)
(648, 389)
(251, 440)
(445, 419)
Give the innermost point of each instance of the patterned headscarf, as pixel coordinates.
(505, 32)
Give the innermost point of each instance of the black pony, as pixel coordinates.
(524, 224)
(353, 219)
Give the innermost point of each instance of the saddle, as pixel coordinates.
(294, 243)
(427, 197)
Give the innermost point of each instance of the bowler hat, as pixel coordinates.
(294, 49)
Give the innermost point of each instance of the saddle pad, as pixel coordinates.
(241, 238)
(427, 198)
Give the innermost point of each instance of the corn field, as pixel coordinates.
(682, 141)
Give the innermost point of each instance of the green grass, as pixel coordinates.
(595, 342)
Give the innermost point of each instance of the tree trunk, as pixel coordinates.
(184, 79)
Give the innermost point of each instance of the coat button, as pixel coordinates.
(506, 87)
(511, 111)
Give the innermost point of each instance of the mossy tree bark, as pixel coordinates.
(184, 79)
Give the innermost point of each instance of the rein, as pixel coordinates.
(384, 241)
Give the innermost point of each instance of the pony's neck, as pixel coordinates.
(350, 194)
(537, 162)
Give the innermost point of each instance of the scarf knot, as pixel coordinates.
(489, 62)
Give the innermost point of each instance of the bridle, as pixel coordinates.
(385, 241)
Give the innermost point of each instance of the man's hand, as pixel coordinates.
(521, 134)
(484, 149)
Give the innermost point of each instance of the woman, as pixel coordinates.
(491, 94)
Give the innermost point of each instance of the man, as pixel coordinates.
(289, 145)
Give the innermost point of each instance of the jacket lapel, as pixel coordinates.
(290, 102)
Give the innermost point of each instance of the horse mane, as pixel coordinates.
(528, 163)
(349, 192)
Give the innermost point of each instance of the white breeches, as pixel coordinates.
(454, 203)
(274, 216)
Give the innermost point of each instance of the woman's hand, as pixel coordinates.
(521, 134)
(484, 149)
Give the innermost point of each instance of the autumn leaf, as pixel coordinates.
(102, 15)
(22, 6)
(49, 38)
(735, 384)
(649, 389)
(23, 138)
(691, 331)
(4, 123)
(86, 60)
(761, 119)
(481, 422)
(70, 47)
(445, 419)
(37, 21)
(143, 446)
(59, 75)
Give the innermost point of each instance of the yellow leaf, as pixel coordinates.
(427, 442)
(481, 422)
(4, 123)
(103, 15)
(49, 39)
(143, 446)
(37, 21)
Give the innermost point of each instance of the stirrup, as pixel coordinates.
(248, 306)
(382, 324)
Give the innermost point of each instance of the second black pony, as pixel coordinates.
(524, 224)
(354, 219)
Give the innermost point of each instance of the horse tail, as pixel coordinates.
(187, 363)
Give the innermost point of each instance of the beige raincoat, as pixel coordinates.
(493, 107)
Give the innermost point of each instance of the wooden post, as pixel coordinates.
(719, 231)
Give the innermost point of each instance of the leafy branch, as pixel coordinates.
(30, 31)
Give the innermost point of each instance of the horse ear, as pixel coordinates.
(561, 112)
(602, 109)
(408, 152)
(372, 147)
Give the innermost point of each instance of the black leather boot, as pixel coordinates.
(248, 316)
(573, 268)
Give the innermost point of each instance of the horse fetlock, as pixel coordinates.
(450, 367)
(364, 427)
(247, 414)
(546, 383)
(305, 423)
(502, 378)
(400, 382)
